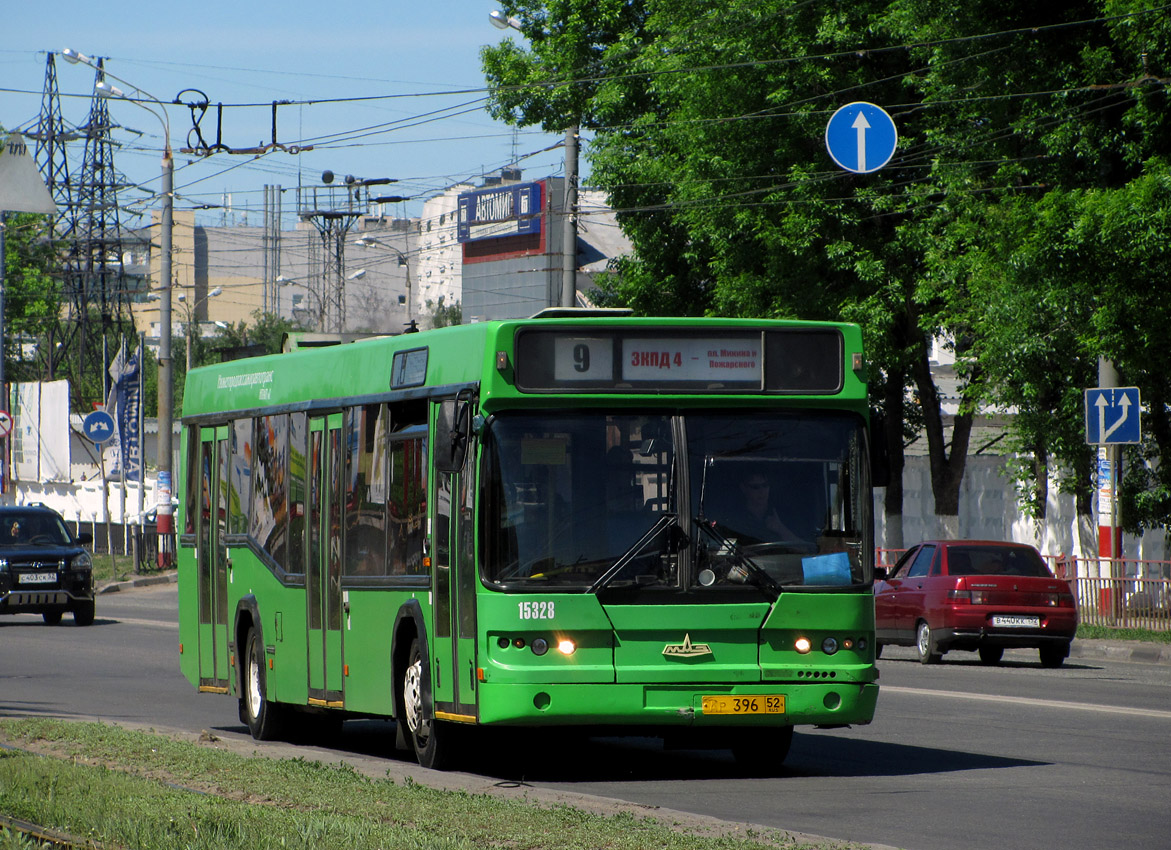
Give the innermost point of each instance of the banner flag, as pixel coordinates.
(123, 404)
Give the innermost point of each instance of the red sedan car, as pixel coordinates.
(975, 595)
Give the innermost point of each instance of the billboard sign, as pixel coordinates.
(500, 211)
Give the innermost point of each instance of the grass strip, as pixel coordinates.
(111, 785)
(1111, 633)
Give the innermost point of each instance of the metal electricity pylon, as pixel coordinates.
(94, 290)
(52, 158)
(333, 218)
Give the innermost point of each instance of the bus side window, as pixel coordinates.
(407, 506)
(191, 498)
(366, 491)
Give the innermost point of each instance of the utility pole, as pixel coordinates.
(166, 512)
(569, 222)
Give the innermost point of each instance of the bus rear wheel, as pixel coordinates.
(263, 718)
(430, 738)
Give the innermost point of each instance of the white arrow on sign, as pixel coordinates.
(1102, 404)
(861, 125)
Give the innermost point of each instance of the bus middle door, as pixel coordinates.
(323, 595)
(453, 571)
(212, 559)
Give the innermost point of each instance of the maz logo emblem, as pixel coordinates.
(687, 649)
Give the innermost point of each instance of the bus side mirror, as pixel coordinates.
(453, 431)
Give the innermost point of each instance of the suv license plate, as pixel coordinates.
(748, 704)
(38, 578)
(1005, 621)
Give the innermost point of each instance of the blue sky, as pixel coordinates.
(417, 62)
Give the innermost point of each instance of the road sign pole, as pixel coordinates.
(1109, 534)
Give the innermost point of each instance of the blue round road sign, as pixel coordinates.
(861, 137)
(98, 426)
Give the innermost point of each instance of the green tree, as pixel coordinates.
(32, 292)
(267, 332)
(708, 137)
(443, 314)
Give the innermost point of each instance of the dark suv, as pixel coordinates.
(44, 569)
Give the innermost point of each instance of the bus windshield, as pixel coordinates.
(699, 500)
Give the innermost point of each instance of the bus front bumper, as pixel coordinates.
(828, 704)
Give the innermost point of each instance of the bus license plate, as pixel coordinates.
(38, 578)
(1005, 621)
(748, 704)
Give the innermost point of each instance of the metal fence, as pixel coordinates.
(1123, 593)
(141, 542)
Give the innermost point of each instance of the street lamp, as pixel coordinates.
(503, 21)
(166, 517)
(368, 241)
(569, 224)
(315, 315)
(191, 308)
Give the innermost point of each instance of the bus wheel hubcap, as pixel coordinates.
(254, 696)
(413, 696)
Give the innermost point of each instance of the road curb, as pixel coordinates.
(1140, 651)
(142, 581)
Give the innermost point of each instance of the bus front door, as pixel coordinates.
(453, 653)
(323, 593)
(212, 559)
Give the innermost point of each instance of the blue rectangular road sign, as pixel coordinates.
(1113, 416)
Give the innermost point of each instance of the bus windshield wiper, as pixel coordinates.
(753, 571)
(664, 522)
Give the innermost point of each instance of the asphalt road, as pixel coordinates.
(959, 755)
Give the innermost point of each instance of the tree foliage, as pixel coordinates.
(32, 293)
(1025, 134)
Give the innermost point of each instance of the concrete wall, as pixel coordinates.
(988, 510)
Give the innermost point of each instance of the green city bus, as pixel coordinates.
(659, 527)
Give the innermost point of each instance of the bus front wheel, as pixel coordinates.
(262, 717)
(762, 751)
(430, 738)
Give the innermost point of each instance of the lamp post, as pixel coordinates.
(368, 241)
(314, 314)
(190, 312)
(166, 518)
(569, 204)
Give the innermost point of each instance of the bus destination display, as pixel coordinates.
(700, 360)
(737, 361)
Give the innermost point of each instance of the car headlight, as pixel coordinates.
(3, 565)
(82, 562)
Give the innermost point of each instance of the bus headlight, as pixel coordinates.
(566, 647)
(829, 646)
(802, 645)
